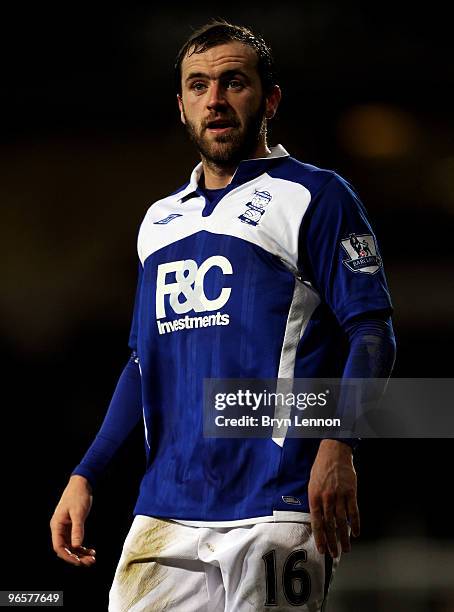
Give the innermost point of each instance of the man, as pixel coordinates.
(245, 272)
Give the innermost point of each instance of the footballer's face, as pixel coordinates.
(223, 105)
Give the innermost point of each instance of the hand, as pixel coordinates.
(67, 523)
(332, 497)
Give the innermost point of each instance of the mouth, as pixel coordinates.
(220, 126)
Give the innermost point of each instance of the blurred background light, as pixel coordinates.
(377, 131)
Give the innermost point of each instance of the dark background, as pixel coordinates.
(90, 136)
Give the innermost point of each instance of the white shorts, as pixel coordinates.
(165, 565)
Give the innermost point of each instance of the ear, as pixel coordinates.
(272, 101)
(181, 107)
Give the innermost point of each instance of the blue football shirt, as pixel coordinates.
(254, 284)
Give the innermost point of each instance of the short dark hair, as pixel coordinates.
(218, 32)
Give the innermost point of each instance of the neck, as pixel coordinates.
(217, 177)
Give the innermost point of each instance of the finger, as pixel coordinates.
(85, 559)
(77, 531)
(353, 514)
(88, 560)
(88, 551)
(75, 557)
(342, 526)
(84, 554)
(329, 525)
(317, 528)
(68, 556)
(60, 535)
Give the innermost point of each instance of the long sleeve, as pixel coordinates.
(123, 414)
(371, 355)
(372, 347)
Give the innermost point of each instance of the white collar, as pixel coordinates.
(275, 152)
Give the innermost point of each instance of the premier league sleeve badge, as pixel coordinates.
(362, 253)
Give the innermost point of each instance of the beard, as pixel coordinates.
(231, 148)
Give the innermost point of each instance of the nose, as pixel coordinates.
(216, 98)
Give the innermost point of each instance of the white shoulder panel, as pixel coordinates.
(158, 231)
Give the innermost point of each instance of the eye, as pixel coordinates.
(234, 84)
(198, 86)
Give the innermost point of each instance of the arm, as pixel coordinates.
(123, 414)
(355, 290)
(332, 485)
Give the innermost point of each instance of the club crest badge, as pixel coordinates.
(256, 207)
(362, 253)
